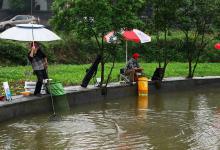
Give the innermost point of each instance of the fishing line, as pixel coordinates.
(54, 116)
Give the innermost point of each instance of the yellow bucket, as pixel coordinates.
(142, 86)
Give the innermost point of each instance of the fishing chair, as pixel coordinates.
(125, 78)
(122, 77)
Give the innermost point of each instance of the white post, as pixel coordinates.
(31, 7)
(126, 52)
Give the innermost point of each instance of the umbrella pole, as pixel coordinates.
(126, 52)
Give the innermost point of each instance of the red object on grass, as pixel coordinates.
(1, 98)
(217, 46)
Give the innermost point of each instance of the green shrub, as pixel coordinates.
(12, 53)
(213, 55)
(15, 53)
(72, 50)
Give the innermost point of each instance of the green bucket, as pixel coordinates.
(61, 103)
(56, 89)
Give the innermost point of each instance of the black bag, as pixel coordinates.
(91, 71)
(158, 74)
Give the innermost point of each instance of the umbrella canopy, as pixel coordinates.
(134, 35)
(110, 37)
(29, 32)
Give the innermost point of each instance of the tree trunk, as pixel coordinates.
(165, 53)
(164, 68)
(104, 89)
(190, 69)
(102, 62)
(102, 71)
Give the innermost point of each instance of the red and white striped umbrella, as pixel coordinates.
(134, 35)
(110, 37)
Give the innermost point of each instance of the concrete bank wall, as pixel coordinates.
(95, 94)
(179, 84)
(22, 106)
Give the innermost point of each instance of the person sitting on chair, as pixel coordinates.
(133, 67)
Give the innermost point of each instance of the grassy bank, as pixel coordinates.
(73, 74)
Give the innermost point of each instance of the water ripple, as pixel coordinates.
(187, 120)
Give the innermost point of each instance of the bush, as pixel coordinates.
(20, 6)
(152, 52)
(15, 53)
(71, 50)
(12, 53)
(213, 55)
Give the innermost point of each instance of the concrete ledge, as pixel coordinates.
(22, 106)
(179, 84)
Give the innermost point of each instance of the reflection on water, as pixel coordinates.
(182, 120)
(142, 106)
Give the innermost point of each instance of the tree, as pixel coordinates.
(164, 15)
(20, 6)
(94, 18)
(195, 20)
(216, 22)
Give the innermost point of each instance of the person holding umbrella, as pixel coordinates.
(133, 67)
(39, 64)
(33, 33)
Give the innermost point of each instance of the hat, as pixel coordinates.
(135, 55)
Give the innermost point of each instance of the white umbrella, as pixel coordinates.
(29, 32)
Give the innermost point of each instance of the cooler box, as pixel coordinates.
(30, 86)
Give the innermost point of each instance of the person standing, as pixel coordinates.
(39, 64)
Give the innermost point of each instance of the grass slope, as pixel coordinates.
(73, 74)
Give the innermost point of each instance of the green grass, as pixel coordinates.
(73, 74)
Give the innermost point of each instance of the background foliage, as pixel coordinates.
(20, 6)
(73, 51)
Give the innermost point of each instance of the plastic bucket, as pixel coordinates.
(61, 104)
(56, 88)
(142, 86)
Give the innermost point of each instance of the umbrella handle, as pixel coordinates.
(33, 45)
